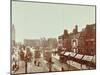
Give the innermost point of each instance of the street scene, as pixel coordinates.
(42, 41)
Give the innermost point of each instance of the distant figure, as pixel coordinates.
(62, 69)
(15, 67)
(38, 64)
(35, 62)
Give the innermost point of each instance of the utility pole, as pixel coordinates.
(26, 67)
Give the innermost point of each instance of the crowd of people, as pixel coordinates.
(22, 53)
(26, 54)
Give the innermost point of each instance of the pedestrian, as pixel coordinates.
(35, 62)
(15, 67)
(62, 69)
(38, 64)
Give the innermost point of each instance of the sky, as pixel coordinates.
(36, 20)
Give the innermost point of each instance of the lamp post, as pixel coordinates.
(50, 64)
(26, 67)
(48, 58)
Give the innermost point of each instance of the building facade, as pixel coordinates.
(52, 42)
(87, 40)
(32, 42)
(83, 42)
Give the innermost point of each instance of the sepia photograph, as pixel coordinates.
(52, 37)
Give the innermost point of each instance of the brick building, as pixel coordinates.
(87, 40)
(65, 40)
(83, 42)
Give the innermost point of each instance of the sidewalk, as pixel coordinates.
(65, 66)
(33, 68)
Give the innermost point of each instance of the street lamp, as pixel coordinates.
(50, 64)
(48, 58)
